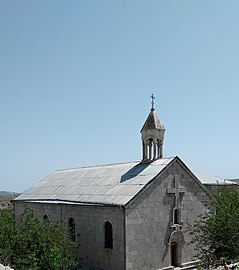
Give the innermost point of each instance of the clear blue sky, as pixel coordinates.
(76, 76)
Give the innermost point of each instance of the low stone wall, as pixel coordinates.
(228, 267)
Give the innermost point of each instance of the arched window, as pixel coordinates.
(45, 218)
(176, 215)
(72, 229)
(108, 235)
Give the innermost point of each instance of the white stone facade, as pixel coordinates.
(149, 222)
(89, 229)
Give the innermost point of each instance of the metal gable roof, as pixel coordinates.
(208, 179)
(113, 184)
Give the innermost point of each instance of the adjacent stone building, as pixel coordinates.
(6, 198)
(128, 216)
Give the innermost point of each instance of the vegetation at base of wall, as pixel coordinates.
(27, 243)
(216, 234)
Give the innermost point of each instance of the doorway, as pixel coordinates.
(174, 261)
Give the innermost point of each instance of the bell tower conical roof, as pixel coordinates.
(152, 135)
(152, 122)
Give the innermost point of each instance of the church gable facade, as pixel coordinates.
(128, 216)
(157, 220)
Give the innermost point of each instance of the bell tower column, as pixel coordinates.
(152, 135)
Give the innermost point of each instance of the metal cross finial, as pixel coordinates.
(152, 101)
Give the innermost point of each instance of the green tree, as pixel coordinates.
(27, 243)
(217, 233)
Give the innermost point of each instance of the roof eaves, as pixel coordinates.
(58, 201)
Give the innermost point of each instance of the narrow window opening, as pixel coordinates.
(176, 216)
(108, 235)
(45, 218)
(72, 229)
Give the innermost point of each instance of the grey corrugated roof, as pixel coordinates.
(208, 179)
(107, 184)
(234, 180)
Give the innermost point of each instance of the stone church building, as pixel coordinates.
(127, 216)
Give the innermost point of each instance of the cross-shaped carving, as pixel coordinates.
(176, 190)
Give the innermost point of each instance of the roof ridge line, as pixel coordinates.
(99, 165)
(105, 165)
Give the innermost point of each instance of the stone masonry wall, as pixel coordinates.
(149, 217)
(89, 224)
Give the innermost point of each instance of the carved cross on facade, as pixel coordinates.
(176, 190)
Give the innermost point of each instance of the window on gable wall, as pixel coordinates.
(108, 235)
(176, 216)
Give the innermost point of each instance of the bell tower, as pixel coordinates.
(152, 135)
